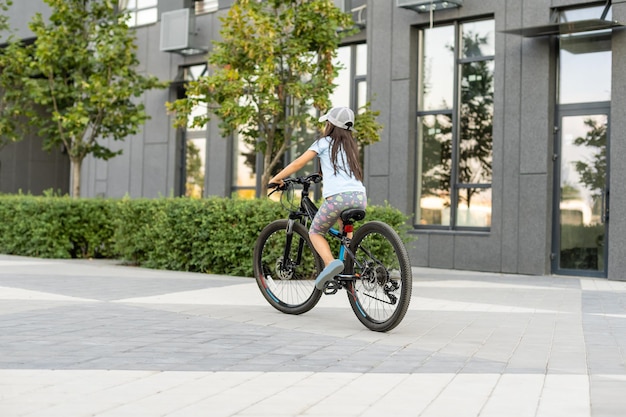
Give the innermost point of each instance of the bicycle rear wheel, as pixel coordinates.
(287, 282)
(381, 294)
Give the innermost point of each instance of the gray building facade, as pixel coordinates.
(502, 131)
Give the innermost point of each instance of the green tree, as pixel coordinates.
(4, 19)
(272, 67)
(8, 127)
(78, 81)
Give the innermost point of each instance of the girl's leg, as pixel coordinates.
(322, 222)
(327, 215)
(333, 266)
(322, 247)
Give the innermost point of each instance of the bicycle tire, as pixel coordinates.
(380, 296)
(291, 288)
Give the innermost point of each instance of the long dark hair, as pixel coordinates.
(342, 139)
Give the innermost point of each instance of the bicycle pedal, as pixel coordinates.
(331, 287)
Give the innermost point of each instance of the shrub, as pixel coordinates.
(55, 227)
(213, 235)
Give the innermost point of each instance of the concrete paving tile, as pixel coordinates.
(465, 395)
(565, 395)
(363, 391)
(411, 396)
(148, 343)
(245, 394)
(607, 394)
(514, 395)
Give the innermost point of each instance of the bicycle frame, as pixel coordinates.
(306, 212)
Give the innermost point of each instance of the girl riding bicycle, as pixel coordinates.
(343, 182)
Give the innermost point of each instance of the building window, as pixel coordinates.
(140, 12)
(244, 168)
(455, 126)
(358, 9)
(351, 90)
(206, 6)
(194, 143)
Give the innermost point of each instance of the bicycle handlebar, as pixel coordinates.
(307, 179)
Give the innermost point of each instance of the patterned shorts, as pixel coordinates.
(331, 208)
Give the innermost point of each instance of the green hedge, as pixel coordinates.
(56, 227)
(213, 235)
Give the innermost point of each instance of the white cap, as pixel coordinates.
(341, 117)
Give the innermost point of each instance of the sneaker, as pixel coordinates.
(328, 273)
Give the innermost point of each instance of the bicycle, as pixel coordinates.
(377, 272)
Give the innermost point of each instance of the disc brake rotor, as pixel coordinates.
(283, 272)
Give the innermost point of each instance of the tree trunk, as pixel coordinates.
(75, 180)
(264, 180)
(266, 175)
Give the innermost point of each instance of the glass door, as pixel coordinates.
(581, 198)
(582, 194)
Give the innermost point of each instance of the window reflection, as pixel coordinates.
(591, 166)
(474, 207)
(478, 39)
(195, 166)
(476, 133)
(244, 176)
(583, 170)
(438, 69)
(435, 148)
(582, 191)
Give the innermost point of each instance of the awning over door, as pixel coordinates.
(566, 28)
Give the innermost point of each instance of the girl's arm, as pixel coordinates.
(296, 165)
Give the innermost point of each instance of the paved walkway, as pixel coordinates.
(81, 338)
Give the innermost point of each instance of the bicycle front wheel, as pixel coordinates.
(381, 293)
(285, 269)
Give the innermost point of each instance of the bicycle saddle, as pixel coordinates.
(352, 215)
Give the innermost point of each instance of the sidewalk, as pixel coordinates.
(91, 338)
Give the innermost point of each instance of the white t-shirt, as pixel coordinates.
(340, 182)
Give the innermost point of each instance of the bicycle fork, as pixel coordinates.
(287, 262)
